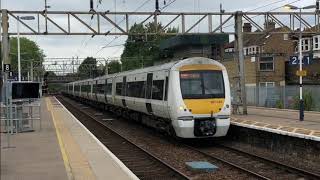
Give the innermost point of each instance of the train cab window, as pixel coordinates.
(202, 84)
(157, 89)
(119, 89)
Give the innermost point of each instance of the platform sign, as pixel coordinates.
(306, 60)
(301, 73)
(7, 67)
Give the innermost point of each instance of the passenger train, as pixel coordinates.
(189, 98)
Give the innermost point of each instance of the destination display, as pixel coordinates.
(25, 90)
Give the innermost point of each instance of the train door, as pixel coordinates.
(105, 88)
(149, 92)
(124, 85)
(73, 89)
(96, 90)
(89, 89)
(158, 93)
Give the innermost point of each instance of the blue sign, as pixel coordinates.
(294, 60)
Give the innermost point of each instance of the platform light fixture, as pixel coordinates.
(18, 41)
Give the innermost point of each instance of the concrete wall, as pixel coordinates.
(302, 152)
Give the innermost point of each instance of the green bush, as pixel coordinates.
(279, 104)
(308, 101)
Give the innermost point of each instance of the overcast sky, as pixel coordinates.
(83, 46)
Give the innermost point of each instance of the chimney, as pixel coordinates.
(247, 27)
(270, 25)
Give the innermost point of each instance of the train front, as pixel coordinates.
(201, 99)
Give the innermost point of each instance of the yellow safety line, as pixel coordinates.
(62, 149)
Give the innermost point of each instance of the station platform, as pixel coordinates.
(281, 121)
(62, 149)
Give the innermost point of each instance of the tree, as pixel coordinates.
(114, 67)
(88, 68)
(143, 50)
(29, 51)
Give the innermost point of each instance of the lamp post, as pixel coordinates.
(18, 41)
(301, 103)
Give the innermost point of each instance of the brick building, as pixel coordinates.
(265, 57)
(266, 54)
(310, 48)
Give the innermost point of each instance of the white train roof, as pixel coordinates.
(175, 65)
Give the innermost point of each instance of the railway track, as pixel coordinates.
(258, 166)
(142, 163)
(253, 165)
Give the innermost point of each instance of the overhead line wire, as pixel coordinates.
(267, 11)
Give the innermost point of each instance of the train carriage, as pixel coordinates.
(188, 98)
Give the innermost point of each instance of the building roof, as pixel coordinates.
(257, 39)
(187, 40)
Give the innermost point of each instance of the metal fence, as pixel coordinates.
(281, 96)
(20, 116)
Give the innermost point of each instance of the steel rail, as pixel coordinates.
(281, 165)
(227, 162)
(178, 173)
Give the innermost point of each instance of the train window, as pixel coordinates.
(157, 89)
(201, 84)
(144, 88)
(94, 87)
(86, 88)
(135, 89)
(76, 88)
(124, 84)
(149, 86)
(100, 89)
(109, 88)
(130, 88)
(119, 89)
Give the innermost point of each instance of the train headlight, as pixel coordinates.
(226, 107)
(183, 108)
(185, 118)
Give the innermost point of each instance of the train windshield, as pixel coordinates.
(202, 84)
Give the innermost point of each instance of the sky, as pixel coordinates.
(83, 46)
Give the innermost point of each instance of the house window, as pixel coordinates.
(247, 51)
(266, 84)
(305, 45)
(266, 64)
(257, 49)
(316, 43)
